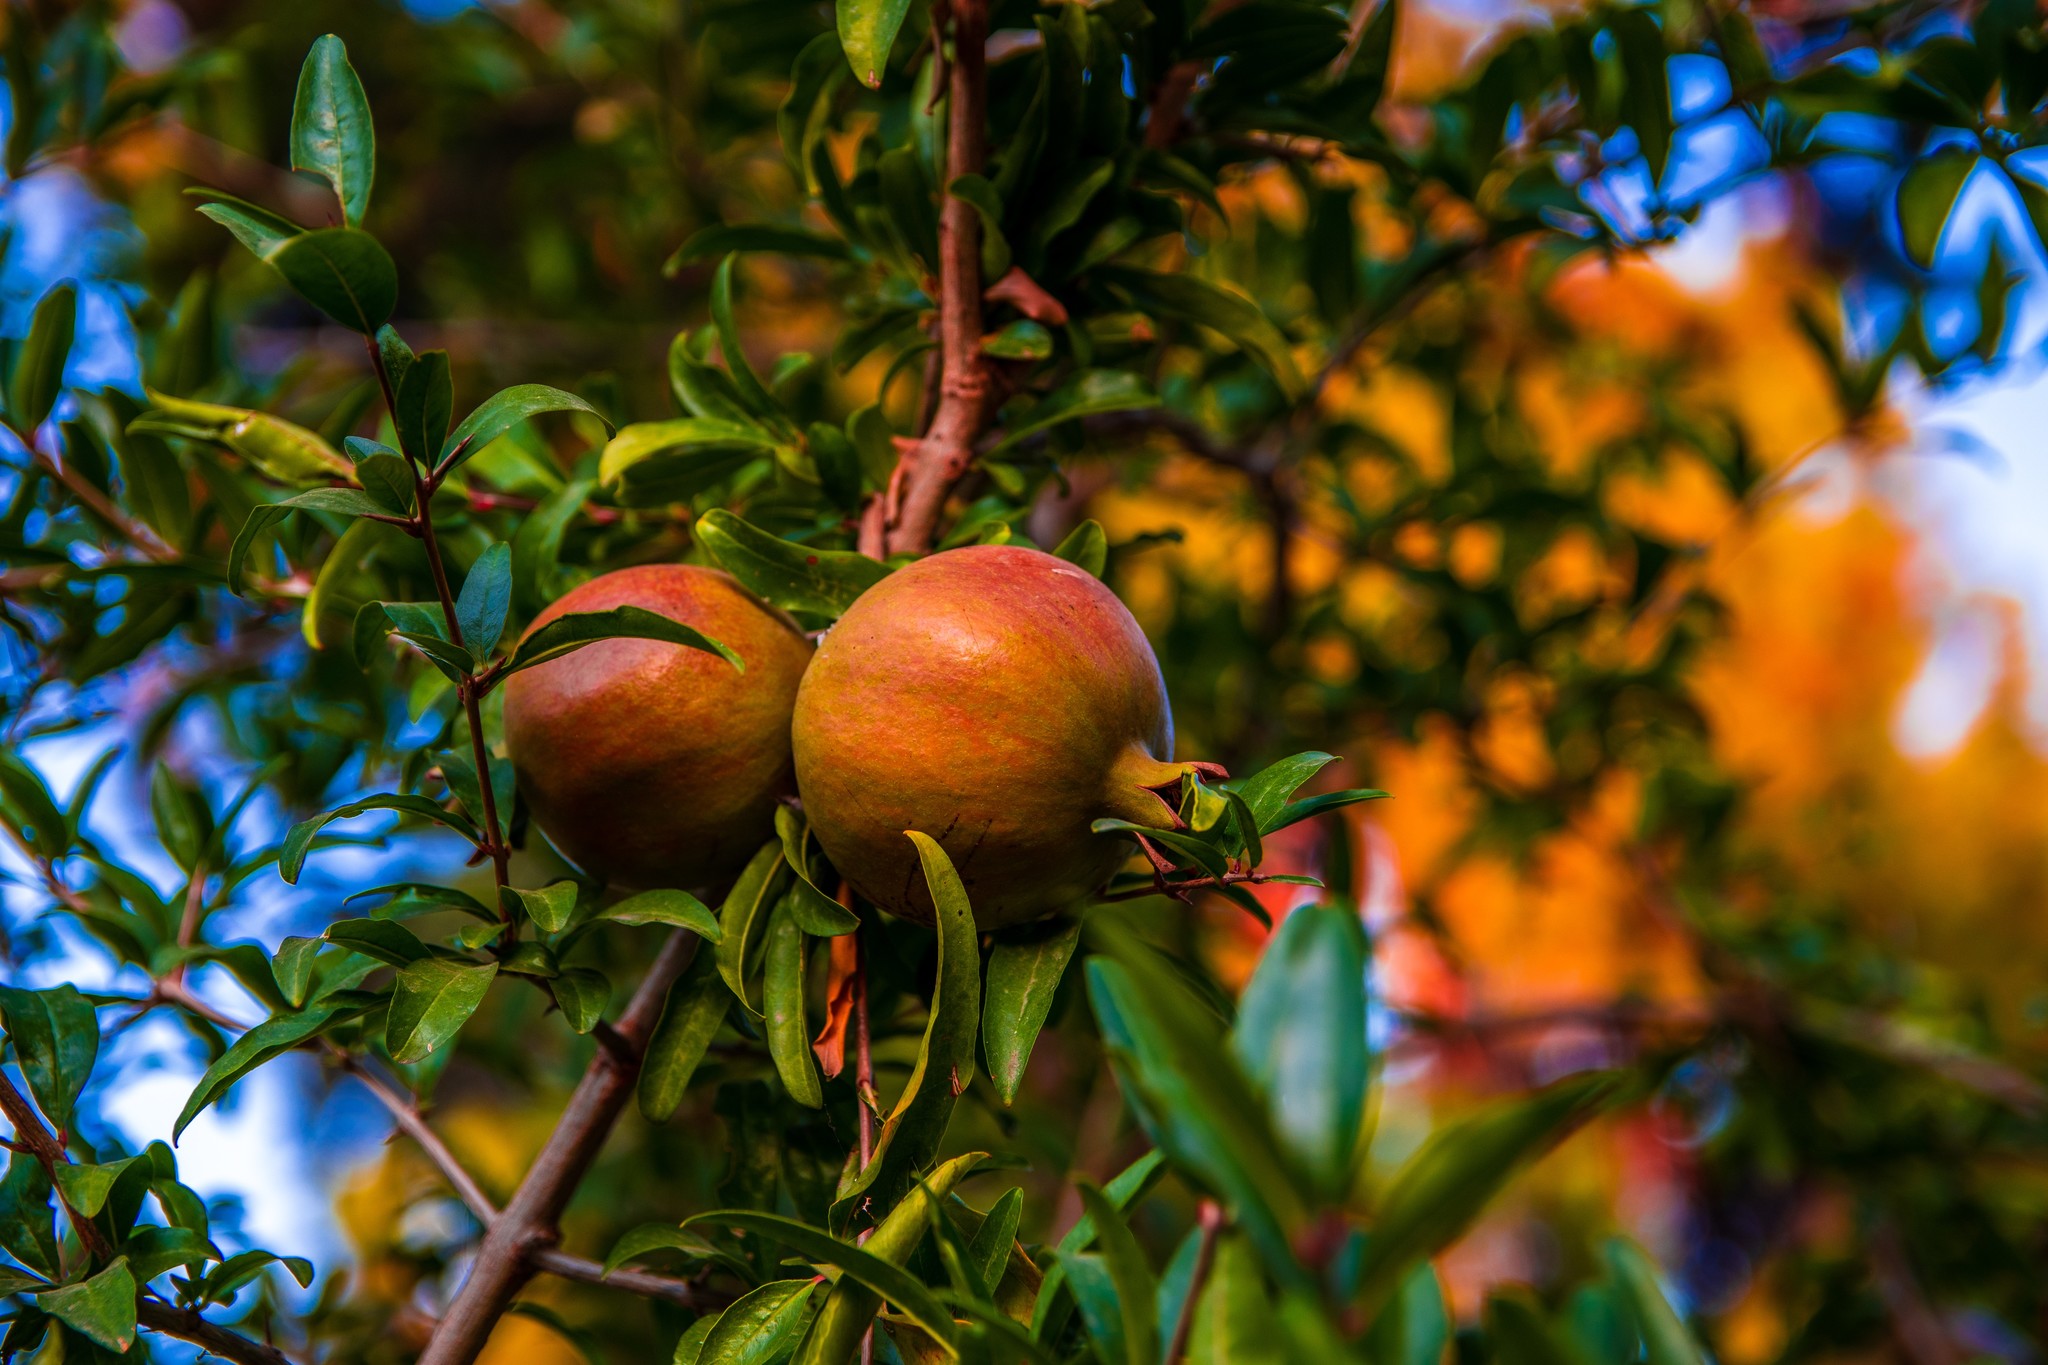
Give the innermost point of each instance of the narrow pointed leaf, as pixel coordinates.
(1024, 972)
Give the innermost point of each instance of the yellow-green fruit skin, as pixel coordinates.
(650, 764)
(1000, 700)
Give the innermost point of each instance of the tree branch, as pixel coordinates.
(187, 1325)
(406, 1114)
(927, 472)
(566, 1267)
(509, 1254)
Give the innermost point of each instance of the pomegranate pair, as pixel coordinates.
(996, 698)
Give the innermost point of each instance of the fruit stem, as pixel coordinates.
(1137, 782)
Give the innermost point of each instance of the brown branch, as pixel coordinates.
(187, 1325)
(926, 475)
(566, 1267)
(406, 1114)
(528, 1226)
(101, 506)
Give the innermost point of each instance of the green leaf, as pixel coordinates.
(1521, 1334)
(386, 940)
(1927, 196)
(38, 375)
(1297, 811)
(56, 1037)
(650, 1237)
(793, 577)
(1024, 972)
(1301, 1038)
(650, 464)
(1187, 298)
(867, 30)
(505, 410)
(1132, 1277)
(782, 998)
(1414, 1326)
(799, 123)
(344, 272)
(1086, 545)
(228, 1278)
(1019, 340)
(43, 824)
(154, 1251)
(751, 391)
(292, 857)
(292, 965)
(1439, 1191)
(395, 355)
(1234, 1322)
(27, 1230)
(426, 404)
(1176, 1069)
(760, 1326)
(261, 518)
(814, 911)
(525, 959)
(1267, 790)
(1185, 848)
(725, 239)
(678, 908)
(388, 480)
(1646, 95)
(14, 1282)
(272, 1038)
(254, 227)
(571, 632)
(331, 131)
(912, 1133)
(486, 598)
(1665, 1338)
(102, 1309)
(1083, 395)
(431, 1001)
(838, 462)
(85, 1188)
(996, 1238)
(979, 193)
(880, 1277)
(583, 995)
(537, 544)
(696, 1007)
(745, 914)
(1093, 1289)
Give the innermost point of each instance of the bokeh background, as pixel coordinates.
(1520, 590)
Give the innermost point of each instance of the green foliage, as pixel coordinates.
(1120, 320)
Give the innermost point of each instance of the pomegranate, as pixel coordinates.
(647, 763)
(998, 699)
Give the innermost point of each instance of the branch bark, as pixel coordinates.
(927, 472)
(513, 1248)
(187, 1325)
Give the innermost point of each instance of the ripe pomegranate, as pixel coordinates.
(998, 699)
(647, 763)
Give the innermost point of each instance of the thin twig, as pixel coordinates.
(528, 1225)
(564, 1266)
(406, 1114)
(187, 1325)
